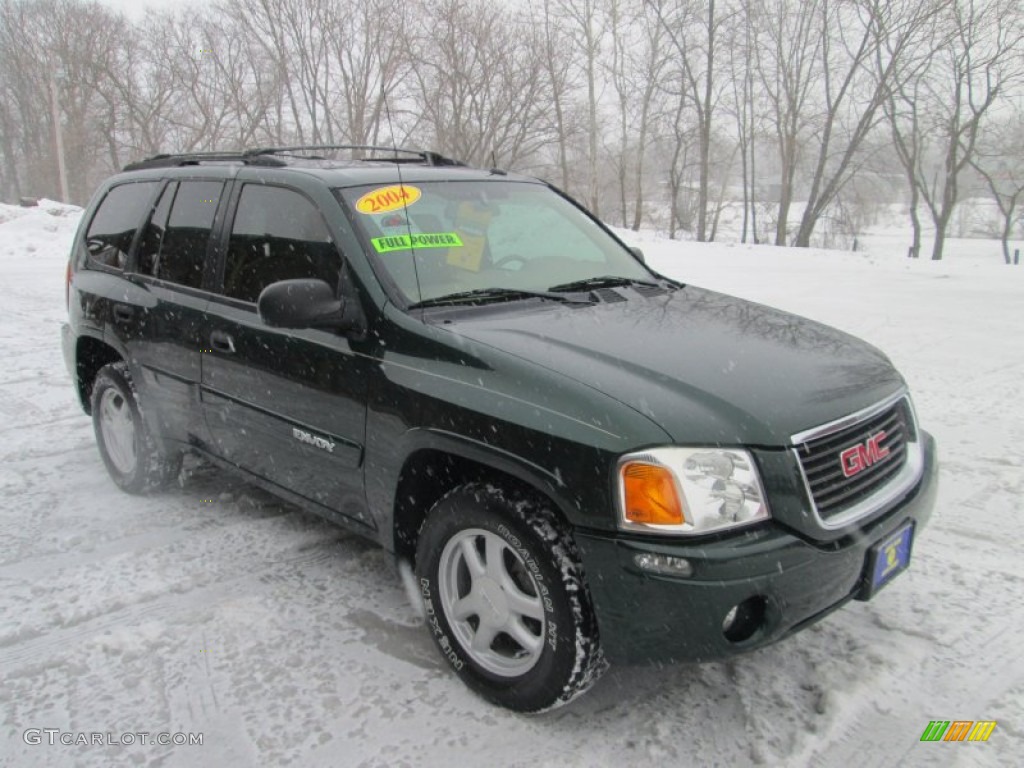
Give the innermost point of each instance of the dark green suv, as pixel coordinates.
(581, 459)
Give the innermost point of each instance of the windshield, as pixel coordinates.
(440, 238)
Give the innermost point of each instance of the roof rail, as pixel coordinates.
(268, 156)
(165, 160)
(418, 155)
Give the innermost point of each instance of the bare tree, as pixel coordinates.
(587, 20)
(694, 28)
(604, 95)
(371, 60)
(999, 159)
(556, 54)
(741, 42)
(245, 81)
(852, 51)
(290, 33)
(939, 109)
(682, 138)
(139, 90)
(480, 85)
(787, 63)
(53, 47)
(638, 60)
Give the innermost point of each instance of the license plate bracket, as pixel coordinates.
(887, 559)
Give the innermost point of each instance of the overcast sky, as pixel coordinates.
(136, 8)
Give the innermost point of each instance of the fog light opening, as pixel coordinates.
(744, 619)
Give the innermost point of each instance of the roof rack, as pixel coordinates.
(418, 155)
(194, 158)
(268, 156)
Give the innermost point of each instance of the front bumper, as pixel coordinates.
(645, 617)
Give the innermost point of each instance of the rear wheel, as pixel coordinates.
(134, 457)
(505, 598)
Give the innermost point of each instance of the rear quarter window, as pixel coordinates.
(112, 229)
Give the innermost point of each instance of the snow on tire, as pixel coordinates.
(505, 598)
(134, 457)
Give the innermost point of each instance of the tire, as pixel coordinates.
(514, 621)
(135, 458)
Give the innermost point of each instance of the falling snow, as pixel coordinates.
(286, 640)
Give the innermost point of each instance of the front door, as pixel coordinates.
(286, 405)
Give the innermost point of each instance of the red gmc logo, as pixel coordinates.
(857, 458)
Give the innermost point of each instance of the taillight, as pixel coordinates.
(67, 286)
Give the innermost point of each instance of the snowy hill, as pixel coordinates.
(217, 609)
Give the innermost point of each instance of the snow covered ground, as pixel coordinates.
(215, 608)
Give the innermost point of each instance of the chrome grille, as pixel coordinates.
(820, 456)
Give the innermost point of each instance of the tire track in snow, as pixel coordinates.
(39, 566)
(880, 737)
(947, 684)
(62, 640)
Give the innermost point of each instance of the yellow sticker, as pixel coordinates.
(472, 223)
(387, 199)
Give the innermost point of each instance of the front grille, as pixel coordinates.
(821, 459)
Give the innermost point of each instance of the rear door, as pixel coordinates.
(171, 266)
(286, 405)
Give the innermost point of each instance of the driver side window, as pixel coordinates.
(277, 234)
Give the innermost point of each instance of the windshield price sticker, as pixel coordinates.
(388, 199)
(410, 242)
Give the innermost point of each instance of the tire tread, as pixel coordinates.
(156, 467)
(534, 513)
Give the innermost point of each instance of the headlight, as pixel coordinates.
(689, 490)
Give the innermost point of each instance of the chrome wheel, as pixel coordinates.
(492, 602)
(117, 423)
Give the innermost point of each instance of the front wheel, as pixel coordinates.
(505, 598)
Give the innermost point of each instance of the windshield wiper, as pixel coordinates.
(605, 281)
(468, 297)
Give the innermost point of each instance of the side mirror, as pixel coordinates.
(638, 253)
(304, 303)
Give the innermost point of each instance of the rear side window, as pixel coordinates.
(113, 227)
(277, 235)
(175, 242)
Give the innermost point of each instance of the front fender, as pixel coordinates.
(542, 479)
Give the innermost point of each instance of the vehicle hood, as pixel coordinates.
(707, 368)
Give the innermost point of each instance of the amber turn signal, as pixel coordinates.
(649, 495)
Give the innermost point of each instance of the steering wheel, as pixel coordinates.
(514, 257)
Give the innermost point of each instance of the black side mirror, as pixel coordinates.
(305, 303)
(638, 253)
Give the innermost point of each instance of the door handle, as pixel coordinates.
(222, 342)
(123, 313)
